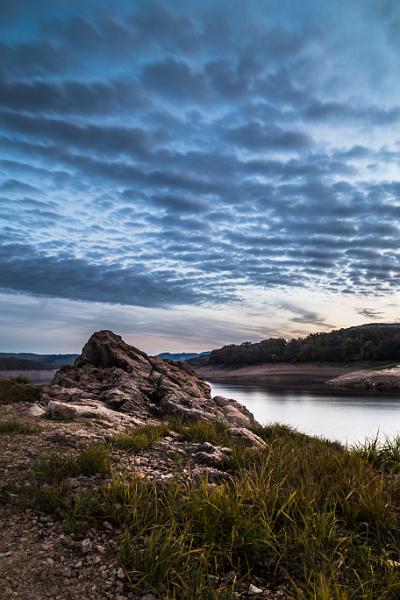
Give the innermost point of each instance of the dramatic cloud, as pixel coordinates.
(167, 155)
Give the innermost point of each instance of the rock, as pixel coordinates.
(118, 384)
(35, 411)
(61, 411)
(246, 437)
(213, 456)
(253, 589)
(149, 597)
(86, 545)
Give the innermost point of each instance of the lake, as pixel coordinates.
(333, 414)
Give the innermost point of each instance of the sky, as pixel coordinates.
(191, 174)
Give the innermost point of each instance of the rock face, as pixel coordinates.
(117, 383)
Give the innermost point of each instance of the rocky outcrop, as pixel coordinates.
(113, 382)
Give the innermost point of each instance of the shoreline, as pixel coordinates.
(276, 374)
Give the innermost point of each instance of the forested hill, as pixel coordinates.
(373, 342)
(10, 363)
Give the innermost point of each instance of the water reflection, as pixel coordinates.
(335, 415)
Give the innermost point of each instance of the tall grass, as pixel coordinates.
(381, 454)
(314, 515)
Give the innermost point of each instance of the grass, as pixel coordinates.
(54, 469)
(323, 519)
(19, 389)
(140, 438)
(381, 455)
(13, 426)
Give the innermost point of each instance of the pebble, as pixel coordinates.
(253, 589)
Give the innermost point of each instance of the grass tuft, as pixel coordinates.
(381, 455)
(140, 438)
(93, 460)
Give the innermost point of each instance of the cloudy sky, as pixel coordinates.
(196, 173)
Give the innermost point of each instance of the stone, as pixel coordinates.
(253, 589)
(118, 384)
(34, 410)
(246, 437)
(61, 411)
(86, 545)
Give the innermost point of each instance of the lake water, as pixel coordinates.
(335, 415)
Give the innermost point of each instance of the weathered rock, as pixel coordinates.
(35, 411)
(246, 437)
(212, 456)
(117, 383)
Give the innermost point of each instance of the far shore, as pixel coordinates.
(280, 374)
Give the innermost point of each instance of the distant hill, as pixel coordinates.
(9, 363)
(43, 361)
(182, 356)
(371, 342)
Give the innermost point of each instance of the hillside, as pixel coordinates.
(372, 342)
(183, 356)
(10, 363)
(44, 361)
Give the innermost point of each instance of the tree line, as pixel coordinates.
(363, 343)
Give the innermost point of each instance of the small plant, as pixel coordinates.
(140, 438)
(14, 426)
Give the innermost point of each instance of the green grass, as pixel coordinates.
(19, 389)
(55, 468)
(381, 455)
(13, 426)
(140, 438)
(322, 519)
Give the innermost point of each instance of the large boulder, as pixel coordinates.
(112, 377)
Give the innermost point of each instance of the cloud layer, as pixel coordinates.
(184, 153)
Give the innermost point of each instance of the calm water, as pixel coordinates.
(346, 417)
(44, 376)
